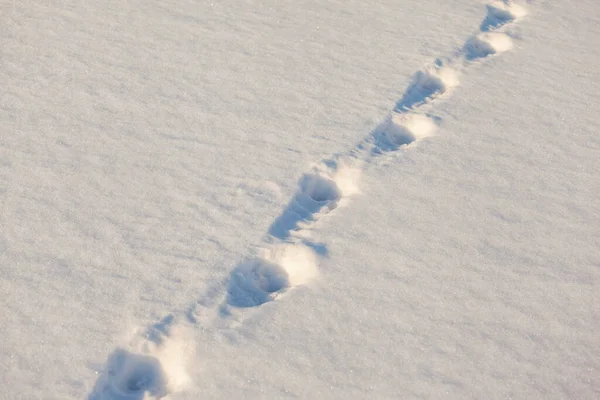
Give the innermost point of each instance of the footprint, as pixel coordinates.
(258, 280)
(486, 44)
(130, 376)
(152, 366)
(427, 84)
(500, 13)
(317, 194)
(402, 129)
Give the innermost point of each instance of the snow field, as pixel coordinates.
(239, 200)
(289, 258)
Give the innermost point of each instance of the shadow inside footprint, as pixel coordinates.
(130, 376)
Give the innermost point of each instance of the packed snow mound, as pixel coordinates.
(258, 280)
(298, 261)
(346, 179)
(486, 44)
(440, 79)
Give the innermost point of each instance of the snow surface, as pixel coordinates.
(308, 199)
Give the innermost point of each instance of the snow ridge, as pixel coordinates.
(154, 362)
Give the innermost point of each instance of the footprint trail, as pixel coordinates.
(153, 363)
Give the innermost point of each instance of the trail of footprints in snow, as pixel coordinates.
(155, 362)
(289, 259)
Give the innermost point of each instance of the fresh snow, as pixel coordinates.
(299, 200)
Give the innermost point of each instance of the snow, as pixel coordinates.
(299, 199)
(403, 129)
(487, 43)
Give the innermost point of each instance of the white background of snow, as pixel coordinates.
(146, 147)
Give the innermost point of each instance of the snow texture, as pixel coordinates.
(214, 200)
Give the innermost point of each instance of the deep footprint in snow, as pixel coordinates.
(500, 13)
(130, 376)
(427, 84)
(254, 281)
(402, 129)
(258, 280)
(316, 195)
(486, 44)
(152, 367)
